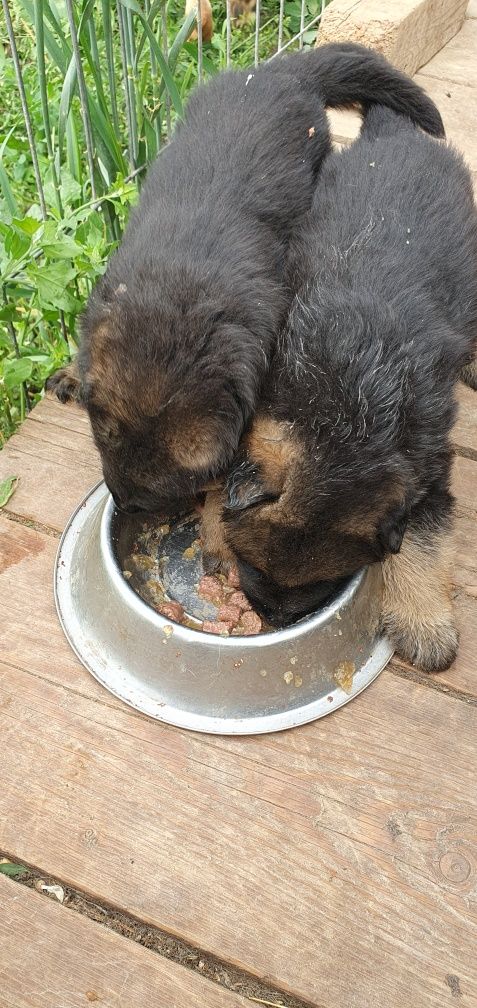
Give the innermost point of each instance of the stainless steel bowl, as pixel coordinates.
(229, 686)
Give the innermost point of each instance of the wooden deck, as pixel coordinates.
(333, 865)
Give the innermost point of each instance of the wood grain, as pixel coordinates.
(54, 958)
(457, 104)
(349, 843)
(456, 63)
(408, 32)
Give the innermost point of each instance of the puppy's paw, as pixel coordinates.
(431, 645)
(469, 374)
(214, 564)
(65, 384)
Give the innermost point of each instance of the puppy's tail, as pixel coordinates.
(347, 74)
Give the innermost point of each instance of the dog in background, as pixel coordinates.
(240, 11)
(348, 459)
(178, 334)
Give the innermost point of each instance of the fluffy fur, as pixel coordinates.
(178, 334)
(349, 457)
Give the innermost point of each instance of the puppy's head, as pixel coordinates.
(295, 534)
(168, 390)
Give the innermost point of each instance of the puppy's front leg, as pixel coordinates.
(65, 384)
(216, 556)
(417, 607)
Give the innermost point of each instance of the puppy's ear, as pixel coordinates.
(392, 527)
(245, 488)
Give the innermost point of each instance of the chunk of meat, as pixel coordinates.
(229, 614)
(233, 578)
(239, 599)
(210, 588)
(250, 623)
(217, 627)
(171, 610)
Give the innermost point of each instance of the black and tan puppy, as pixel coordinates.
(178, 334)
(348, 460)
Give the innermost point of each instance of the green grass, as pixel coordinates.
(58, 228)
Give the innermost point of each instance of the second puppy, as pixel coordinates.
(348, 460)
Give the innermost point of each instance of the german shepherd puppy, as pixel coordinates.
(348, 460)
(178, 334)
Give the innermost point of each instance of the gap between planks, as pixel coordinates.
(168, 948)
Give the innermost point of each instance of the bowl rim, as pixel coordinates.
(143, 611)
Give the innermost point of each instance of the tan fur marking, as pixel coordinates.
(212, 529)
(270, 444)
(417, 607)
(193, 445)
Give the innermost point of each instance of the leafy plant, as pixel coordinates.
(96, 90)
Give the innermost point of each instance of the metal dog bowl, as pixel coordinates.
(229, 686)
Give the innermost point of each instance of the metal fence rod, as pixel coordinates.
(280, 24)
(25, 109)
(295, 38)
(199, 41)
(165, 49)
(302, 22)
(228, 32)
(257, 32)
(83, 94)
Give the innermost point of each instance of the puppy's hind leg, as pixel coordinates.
(417, 606)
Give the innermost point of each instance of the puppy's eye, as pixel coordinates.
(246, 489)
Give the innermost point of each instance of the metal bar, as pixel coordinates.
(108, 42)
(295, 38)
(257, 32)
(280, 24)
(40, 60)
(228, 16)
(302, 22)
(165, 48)
(127, 95)
(83, 95)
(25, 109)
(199, 41)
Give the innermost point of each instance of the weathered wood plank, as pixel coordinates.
(457, 104)
(336, 859)
(456, 63)
(464, 435)
(55, 958)
(31, 633)
(408, 32)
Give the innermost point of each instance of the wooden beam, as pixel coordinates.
(407, 32)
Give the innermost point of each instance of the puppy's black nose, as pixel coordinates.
(122, 504)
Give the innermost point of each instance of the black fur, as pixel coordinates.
(366, 369)
(190, 305)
